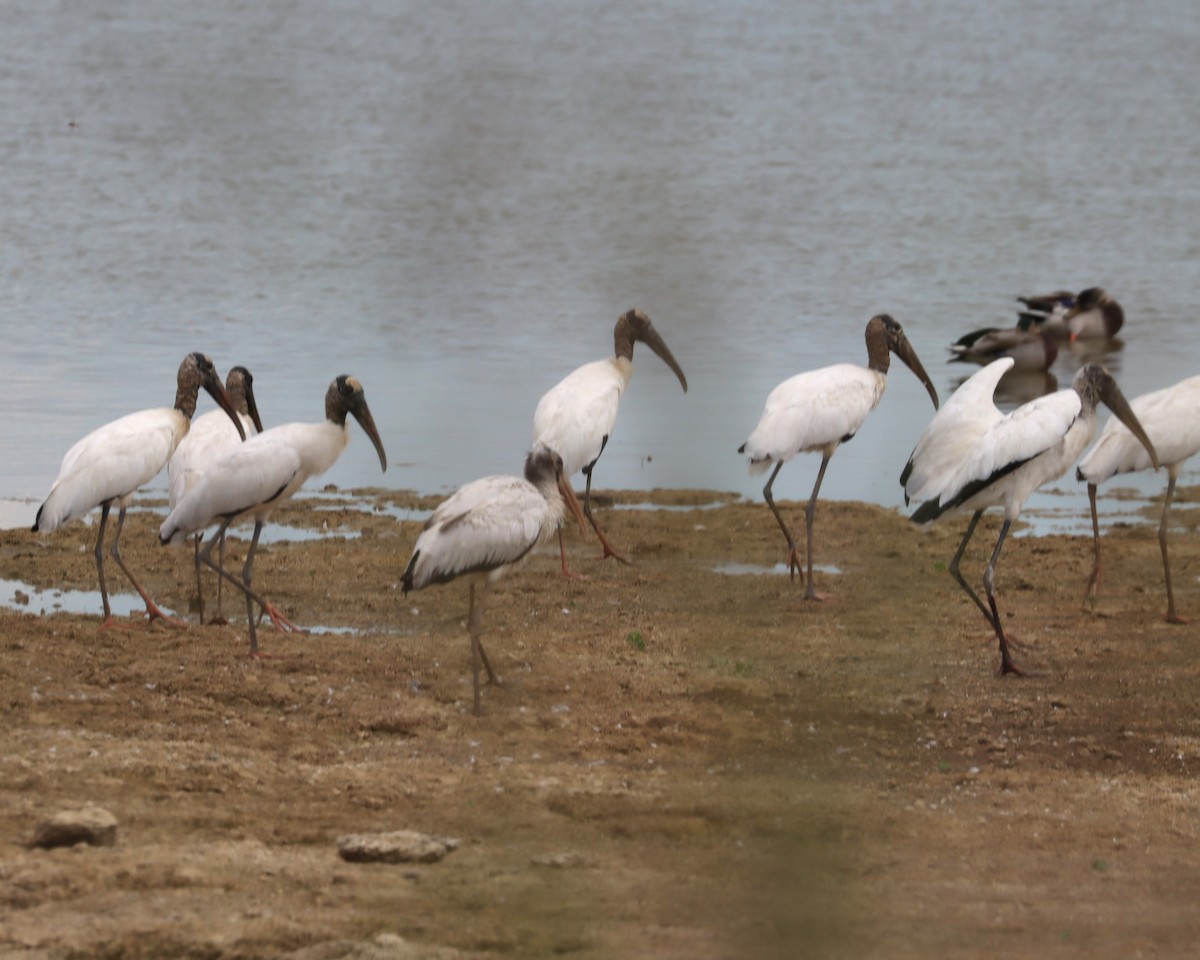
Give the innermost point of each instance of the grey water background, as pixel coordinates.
(455, 201)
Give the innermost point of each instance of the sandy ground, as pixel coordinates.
(681, 762)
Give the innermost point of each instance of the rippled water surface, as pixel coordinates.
(455, 201)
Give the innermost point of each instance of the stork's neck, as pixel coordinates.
(335, 410)
(623, 340)
(879, 357)
(185, 400)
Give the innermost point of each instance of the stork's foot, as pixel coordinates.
(282, 623)
(154, 615)
(112, 623)
(571, 574)
(1176, 618)
(610, 552)
(817, 595)
(1008, 667)
(217, 621)
(795, 566)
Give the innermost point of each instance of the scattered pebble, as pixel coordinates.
(399, 846)
(91, 825)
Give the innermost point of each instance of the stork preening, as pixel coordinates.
(1171, 418)
(575, 417)
(972, 457)
(485, 529)
(820, 410)
(210, 438)
(248, 483)
(108, 465)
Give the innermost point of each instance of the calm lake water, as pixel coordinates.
(455, 201)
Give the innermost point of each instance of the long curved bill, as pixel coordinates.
(909, 356)
(362, 413)
(655, 342)
(1115, 400)
(252, 408)
(572, 502)
(217, 391)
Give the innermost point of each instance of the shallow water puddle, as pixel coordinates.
(16, 595)
(744, 569)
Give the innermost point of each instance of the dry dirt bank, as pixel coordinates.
(681, 763)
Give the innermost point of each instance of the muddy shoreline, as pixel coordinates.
(681, 762)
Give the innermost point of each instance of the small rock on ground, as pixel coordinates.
(398, 846)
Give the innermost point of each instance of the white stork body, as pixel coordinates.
(107, 466)
(1171, 418)
(819, 410)
(250, 481)
(485, 529)
(111, 462)
(813, 412)
(953, 433)
(211, 437)
(1035, 443)
(576, 416)
(1003, 459)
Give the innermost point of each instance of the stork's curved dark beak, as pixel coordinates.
(216, 389)
(362, 413)
(252, 408)
(655, 342)
(1114, 399)
(903, 349)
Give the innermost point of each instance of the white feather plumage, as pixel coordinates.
(256, 476)
(813, 411)
(111, 462)
(1171, 418)
(574, 417)
(486, 526)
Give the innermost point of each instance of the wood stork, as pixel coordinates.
(210, 438)
(818, 411)
(977, 457)
(1095, 315)
(485, 529)
(575, 417)
(1171, 418)
(1032, 350)
(250, 481)
(108, 465)
(1048, 311)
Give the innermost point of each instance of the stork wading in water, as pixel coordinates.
(485, 529)
(576, 416)
(1171, 418)
(819, 411)
(108, 465)
(972, 457)
(210, 438)
(250, 482)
